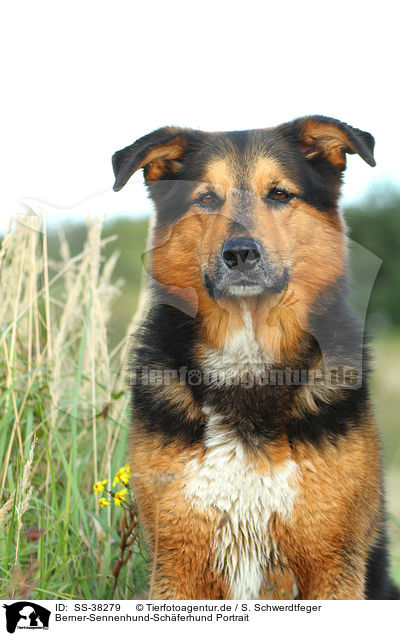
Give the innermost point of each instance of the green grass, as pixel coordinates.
(64, 419)
(386, 397)
(74, 556)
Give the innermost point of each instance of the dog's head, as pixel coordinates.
(244, 215)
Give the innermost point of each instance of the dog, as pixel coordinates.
(253, 443)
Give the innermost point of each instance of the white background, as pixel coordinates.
(343, 617)
(83, 79)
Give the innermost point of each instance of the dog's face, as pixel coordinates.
(244, 215)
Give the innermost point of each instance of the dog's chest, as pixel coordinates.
(241, 354)
(226, 480)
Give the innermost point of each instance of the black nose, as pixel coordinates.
(242, 252)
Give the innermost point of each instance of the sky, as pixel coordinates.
(84, 79)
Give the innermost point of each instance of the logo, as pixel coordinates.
(26, 615)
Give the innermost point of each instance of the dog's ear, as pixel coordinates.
(158, 153)
(323, 137)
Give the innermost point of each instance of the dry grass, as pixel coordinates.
(63, 391)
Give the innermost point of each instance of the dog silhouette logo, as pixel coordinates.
(26, 615)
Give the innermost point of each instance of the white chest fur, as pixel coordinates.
(225, 480)
(240, 355)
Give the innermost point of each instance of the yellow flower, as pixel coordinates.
(123, 475)
(103, 502)
(99, 486)
(119, 496)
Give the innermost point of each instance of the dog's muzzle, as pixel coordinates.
(244, 269)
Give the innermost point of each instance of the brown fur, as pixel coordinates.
(171, 524)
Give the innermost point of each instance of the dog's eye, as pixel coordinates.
(277, 194)
(207, 198)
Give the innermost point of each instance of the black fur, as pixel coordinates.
(261, 413)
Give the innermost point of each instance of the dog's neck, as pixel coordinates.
(277, 330)
(269, 328)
